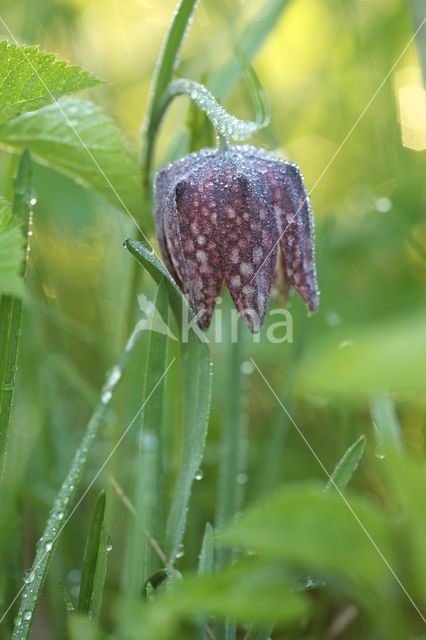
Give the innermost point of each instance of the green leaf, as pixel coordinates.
(347, 465)
(385, 420)
(281, 529)
(248, 43)
(13, 242)
(63, 502)
(256, 633)
(227, 125)
(196, 386)
(141, 559)
(11, 252)
(206, 559)
(247, 592)
(94, 563)
(206, 567)
(77, 138)
(30, 78)
(349, 370)
(69, 605)
(166, 64)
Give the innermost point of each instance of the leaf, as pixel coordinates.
(11, 252)
(350, 370)
(62, 505)
(248, 44)
(347, 465)
(78, 139)
(13, 241)
(141, 559)
(196, 386)
(206, 567)
(281, 529)
(30, 78)
(385, 420)
(225, 124)
(256, 633)
(69, 606)
(248, 591)
(166, 64)
(94, 563)
(206, 559)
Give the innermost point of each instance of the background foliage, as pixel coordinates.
(356, 367)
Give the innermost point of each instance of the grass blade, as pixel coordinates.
(62, 505)
(347, 465)
(11, 312)
(206, 566)
(259, 634)
(196, 386)
(385, 420)
(142, 560)
(167, 63)
(94, 563)
(248, 44)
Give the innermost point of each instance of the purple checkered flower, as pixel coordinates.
(239, 215)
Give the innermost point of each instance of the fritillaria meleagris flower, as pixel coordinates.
(239, 215)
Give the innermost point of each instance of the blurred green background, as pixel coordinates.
(320, 67)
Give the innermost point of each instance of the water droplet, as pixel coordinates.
(199, 474)
(30, 233)
(18, 621)
(380, 452)
(108, 544)
(33, 201)
(247, 367)
(115, 375)
(242, 478)
(28, 576)
(180, 552)
(383, 205)
(333, 319)
(48, 546)
(60, 515)
(148, 441)
(106, 397)
(345, 343)
(28, 615)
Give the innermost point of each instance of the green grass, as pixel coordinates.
(154, 487)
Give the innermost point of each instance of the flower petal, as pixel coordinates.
(295, 224)
(248, 242)
(191, 235)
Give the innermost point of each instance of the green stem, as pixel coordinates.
(11, 312)
(231, 466)
(60, 511)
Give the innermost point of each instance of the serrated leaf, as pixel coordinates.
(347, 465)
(196, 386)
(11, 251)
(94, 563)
(77, 138)
(30, 78)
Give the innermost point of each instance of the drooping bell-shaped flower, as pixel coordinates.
(240, 215)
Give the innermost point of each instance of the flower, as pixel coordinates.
(226, 214)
